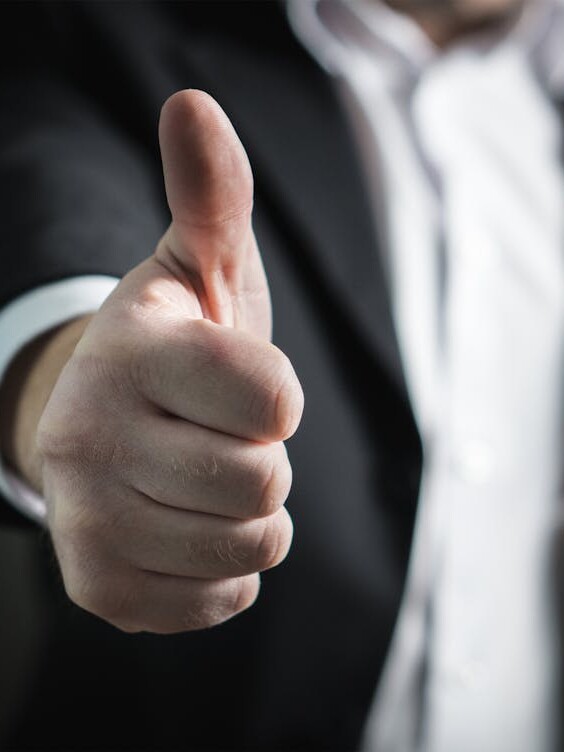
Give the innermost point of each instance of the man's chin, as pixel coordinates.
(464, 9)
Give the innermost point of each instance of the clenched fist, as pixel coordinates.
(160, 447)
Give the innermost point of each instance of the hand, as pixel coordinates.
(160, 447)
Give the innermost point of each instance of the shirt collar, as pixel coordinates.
(340, 32)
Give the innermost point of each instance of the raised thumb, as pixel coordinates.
(209, 188)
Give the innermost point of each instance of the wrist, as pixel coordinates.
(25, 390)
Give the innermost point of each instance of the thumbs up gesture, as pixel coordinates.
(161, 444)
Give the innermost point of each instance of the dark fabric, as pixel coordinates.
(81, 192)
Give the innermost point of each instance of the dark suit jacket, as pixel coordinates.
(81, 192)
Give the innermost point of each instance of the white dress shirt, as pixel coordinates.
(461, 151)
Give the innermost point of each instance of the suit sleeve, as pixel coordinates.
(78, 194)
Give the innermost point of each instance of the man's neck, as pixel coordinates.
(445, 21)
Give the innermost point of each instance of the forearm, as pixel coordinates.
(24, 392)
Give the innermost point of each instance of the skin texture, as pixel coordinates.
(154, 428)
(25, 390)
(159, 450)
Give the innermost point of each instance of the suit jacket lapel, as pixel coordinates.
(277, 98)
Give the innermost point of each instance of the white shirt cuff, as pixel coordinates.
(24, 319)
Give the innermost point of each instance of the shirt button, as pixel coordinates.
(471, 674)
(474, 462)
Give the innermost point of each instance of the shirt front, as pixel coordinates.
(461, 150)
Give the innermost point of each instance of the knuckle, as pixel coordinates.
(206, 470)
(275, 483)
(273, 541)
(219, 601)
(216, 554)
(226, 552)
(278, 405)
(196, 617)
(289, 401)
(263, 409)
(244, 592)
(148, 309)
(205, 611)
(273, 479)
(103, 453)
(264, 476)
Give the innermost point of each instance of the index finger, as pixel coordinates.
(221, 378)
